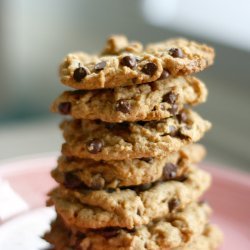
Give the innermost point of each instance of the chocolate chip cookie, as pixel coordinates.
(82, 208)
(105, 141)
(182, 230)
(75, 172)
(121, 66)
(151, 101)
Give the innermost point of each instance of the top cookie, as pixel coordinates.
(123, 63)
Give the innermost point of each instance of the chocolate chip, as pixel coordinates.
(169, 171)
(176, 52)
(110, 232)
(64, 108)
(173, 204)
(79, 74)
(123, 106)
(170, 98)
(129, 61)
(95, 146)
(147, 159)
(71, 181)
(182, 117)
(164, 75)
(149, 68)
(100, 66)
(173, 110)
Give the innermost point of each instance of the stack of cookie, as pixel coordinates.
(127, 175)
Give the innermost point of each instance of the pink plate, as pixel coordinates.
(229, 196)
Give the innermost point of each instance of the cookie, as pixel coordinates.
(209, 240)
(145, 102)
(75, 172)
(121, 66)
(105, 141)
(131, 207)
(179, 231)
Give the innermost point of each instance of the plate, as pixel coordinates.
(30, 179)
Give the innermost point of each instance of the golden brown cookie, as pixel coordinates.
(105, 141)
(75, 172)
(145, 102)
(125, 64)
(83, 208)
(185, 229)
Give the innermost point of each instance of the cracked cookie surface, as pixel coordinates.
(125, 64)
(104, 141)
(151, 101)
(83, 208)
(75, 172)
(183, 230)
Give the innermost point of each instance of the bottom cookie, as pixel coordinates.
(210, 239)
(186, 229)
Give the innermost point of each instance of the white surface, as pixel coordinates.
(224, 21)
(24, 232)
(11, 202)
